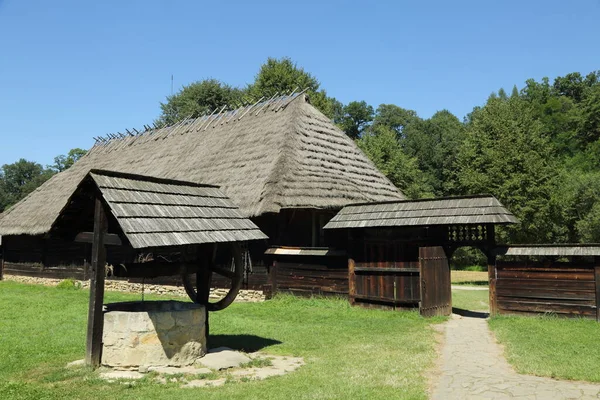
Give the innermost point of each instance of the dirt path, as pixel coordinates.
(473, 367)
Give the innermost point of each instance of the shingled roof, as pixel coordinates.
(279, 154)
(156, 212)
(559, 250)
(482, 209)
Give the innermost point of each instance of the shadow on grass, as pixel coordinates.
(469, 313)
(246, 343)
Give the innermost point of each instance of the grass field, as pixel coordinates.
(472, 300)
(349, 352)
(549, 346)
(469, 277)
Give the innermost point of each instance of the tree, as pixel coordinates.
(502, 94)
(571, 85)
(445, 134)
(19, 179)
(579, 203)
(589, 127)
(199, 98)
(394, 117)
(382, 147)
(505, 153)
(282, 76)
(515, 92)
(355, 118)
(63, 162)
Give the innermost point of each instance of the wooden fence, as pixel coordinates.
(254, 280)
(568, 289)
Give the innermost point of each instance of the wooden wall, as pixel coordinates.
(568, 289)
(308, 275)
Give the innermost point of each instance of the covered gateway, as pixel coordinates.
(398, 251)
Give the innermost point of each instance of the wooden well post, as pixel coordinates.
(93, 349)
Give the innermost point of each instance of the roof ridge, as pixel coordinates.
(224, 115)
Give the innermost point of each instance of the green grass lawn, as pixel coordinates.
(549, 346)
(349, 352)
(472, 300)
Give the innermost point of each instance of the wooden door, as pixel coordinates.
(436, 294)
(381, 276)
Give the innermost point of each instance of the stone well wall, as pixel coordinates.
(153, 333)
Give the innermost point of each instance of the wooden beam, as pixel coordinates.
(597, 280)
(351, 281)
(93, 350)
(110, 239)
(492, 284)
(203, 281)
(1, 263)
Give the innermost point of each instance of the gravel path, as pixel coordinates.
(473, 367)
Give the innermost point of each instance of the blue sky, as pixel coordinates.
(71, 70)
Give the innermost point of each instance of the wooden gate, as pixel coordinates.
(381, 276)
(436, 294)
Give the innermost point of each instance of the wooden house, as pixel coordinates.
(282, 162)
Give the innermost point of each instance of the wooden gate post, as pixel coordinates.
(597, 280)
(352, 282)
(93, 350)
(1, 262)
(492, 283)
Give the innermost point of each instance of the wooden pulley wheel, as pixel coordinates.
(235, 276)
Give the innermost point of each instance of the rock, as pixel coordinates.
(223, 358)
(196, 383)
(112, 375)
(75, 364)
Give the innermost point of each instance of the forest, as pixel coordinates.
(537, 148)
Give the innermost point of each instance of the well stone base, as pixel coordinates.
(153, 333)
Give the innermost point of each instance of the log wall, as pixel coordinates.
(309, 275)
(570, 289)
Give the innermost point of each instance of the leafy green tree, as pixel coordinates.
(589, 128)
(356, 117)
(571, 85)
(394, 117)
(502, 94)
(504, 153)
(445, 135)
(381, 146)
(579, 203)
(62, 162)
(198, 98)
(19, 179)
(282, 76)
(515, 92)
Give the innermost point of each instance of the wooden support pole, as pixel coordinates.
(597, 280)
(1, 262)
(203, 282)
(273, 277)
(93, 350)
(492, 283)
(352, 281)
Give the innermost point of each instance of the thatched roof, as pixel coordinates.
(279, 154)
(469, 210)
(158, 212)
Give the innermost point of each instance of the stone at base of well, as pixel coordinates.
(163, 333)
